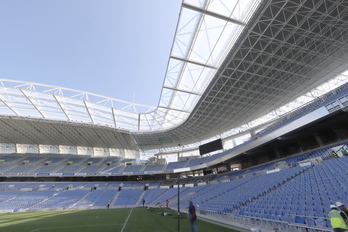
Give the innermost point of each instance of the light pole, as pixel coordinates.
(178, 202)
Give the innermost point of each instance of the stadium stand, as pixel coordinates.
(91, 169)
(132, 168)
(153, 168)
(176, 165)
(195, 162)
(61, 200)
(295, 194)
(128, 197)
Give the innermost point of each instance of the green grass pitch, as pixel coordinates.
(101, 220)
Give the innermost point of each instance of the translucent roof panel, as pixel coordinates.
(206, 30)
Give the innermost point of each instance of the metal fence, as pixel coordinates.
(294, 223)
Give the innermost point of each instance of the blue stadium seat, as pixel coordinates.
(300, 220)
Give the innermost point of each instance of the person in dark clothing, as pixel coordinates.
(192, 217)
(342, 207)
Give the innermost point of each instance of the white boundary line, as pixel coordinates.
(65, 227)
(127, 219)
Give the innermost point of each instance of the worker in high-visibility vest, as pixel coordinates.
(338, 219)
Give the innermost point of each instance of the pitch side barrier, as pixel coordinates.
(294, 223)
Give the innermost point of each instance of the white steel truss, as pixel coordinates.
(234, 64)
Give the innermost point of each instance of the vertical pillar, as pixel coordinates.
(277, 153)
(252, 134)
(234, 142)
(318, 139)
(178, 202)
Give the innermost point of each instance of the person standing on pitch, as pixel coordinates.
(193, 217)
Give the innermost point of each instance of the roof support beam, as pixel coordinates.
(173, 109)
(213, 14)
(61, 107)
(180, 90)
(193, 62)
(10, 107)
(33, 104)
(88, 111)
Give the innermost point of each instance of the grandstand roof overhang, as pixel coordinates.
(20, 130)
(231, 63)
(287, 53)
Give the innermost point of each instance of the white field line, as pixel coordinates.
(65, 227)
(127, 220)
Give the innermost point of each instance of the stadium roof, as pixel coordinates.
(233, 65)
(286, 55)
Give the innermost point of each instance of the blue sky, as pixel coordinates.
(115, 48)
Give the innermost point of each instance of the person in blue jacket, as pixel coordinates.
(192, 217)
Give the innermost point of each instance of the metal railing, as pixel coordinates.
(294, 223)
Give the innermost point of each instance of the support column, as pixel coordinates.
(234, 142)
(318, 139)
